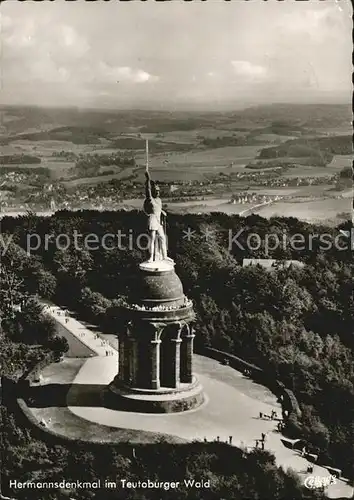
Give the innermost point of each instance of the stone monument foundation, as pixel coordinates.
(155, 372)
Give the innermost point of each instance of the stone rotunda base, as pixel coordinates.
(164, 400)
(155, 373)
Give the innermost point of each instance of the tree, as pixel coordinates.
(45, 283)
(11, 292)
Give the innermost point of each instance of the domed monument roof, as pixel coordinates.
(156, 283)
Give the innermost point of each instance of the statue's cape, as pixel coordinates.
(148, 207)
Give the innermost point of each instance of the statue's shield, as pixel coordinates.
(148, 208)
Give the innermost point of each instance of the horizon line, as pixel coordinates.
(169, 109)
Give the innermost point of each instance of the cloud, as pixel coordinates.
(47, 71)
(71, 40)
(5, 21)
(249, 70)
(142, 76)
(314, 26)
(36, 51)
(309, 20)
(124, 74)
(64, 49)
(17, 35)
(41, 37)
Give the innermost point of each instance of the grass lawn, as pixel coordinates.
(65, 423)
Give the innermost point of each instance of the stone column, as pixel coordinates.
(186, 359)
(121, 359)
(155, 363)
(133, 361)
(175, 368)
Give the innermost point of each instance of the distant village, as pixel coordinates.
(28, 190)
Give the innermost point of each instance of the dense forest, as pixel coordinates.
(230, 140)
(282, 164)
(162, 124)
(155, 146)
(320, 150)
(76, 135)
(90, 165)
(232, 473)
(346, 173)
(27, 334)
(41, 171)
(19, 159)
(281, 127)
(296, 323)
(254, 136)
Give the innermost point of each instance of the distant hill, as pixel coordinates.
(76, 135)
(280, 117)
(319, 150)
(306, 115)
(19, 159)
(281, 127)
(134, 143)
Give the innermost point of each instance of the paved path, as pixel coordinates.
(232, 409)
(92, 340)
(232, 405)
(227, 411)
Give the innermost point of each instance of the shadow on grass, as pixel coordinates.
(90, 395)
(61, 395)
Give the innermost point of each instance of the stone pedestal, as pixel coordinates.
(156, 350)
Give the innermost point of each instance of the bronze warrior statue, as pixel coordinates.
(153, 209)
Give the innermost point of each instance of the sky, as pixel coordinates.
(175, 55)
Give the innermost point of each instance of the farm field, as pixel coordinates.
(311, 211)
(208, 172)
(208, 157)
(337, 164)
(202, 172)
(122, 173)
(174, 174)
(46, 148)
(293, 191)
(348, 194)
(273, 138)
(179, 137)
(198, 206)
(194, 136)
(221, 206)
(104, 150)
(58, 169)
(305, 171)
(341, 161)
